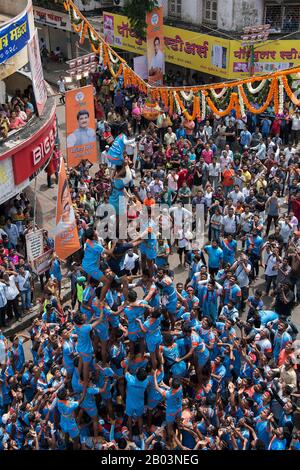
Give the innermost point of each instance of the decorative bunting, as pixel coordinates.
(220, 98)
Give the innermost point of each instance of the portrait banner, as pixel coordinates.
(66, 233)
(155, 46)
(80, 126)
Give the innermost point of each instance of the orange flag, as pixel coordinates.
(80, 126)
(66, 233)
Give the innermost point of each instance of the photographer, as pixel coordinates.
(242, 269)
(284, 301)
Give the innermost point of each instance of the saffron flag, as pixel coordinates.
(66, 233)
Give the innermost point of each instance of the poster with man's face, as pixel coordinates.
(155, 46)
(80, 126)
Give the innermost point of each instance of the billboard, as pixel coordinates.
(13, 37)
(223, 58)
(155, 46)
(80, 126)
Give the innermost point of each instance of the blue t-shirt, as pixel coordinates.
(84, 342)
(215, 256)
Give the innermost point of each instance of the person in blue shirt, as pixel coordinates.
(91, 260)
(88, 295)
(169, 294)
(197, 351)
(66, 407)
(278, 441)
(84, 343)
(135, 309)
(171, 354)
(148, 246)
(229, 247)
(152, 329)
(136, 386)
(255, 303)
(88, 404)
(55, 272)
(50, 315)
(174, 397)
(245, 138)
(68, 350)
(215, 257)
(16, 353)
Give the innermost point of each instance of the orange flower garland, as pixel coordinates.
(289, 92)
(233, 104)
(196, 108)
(119, 71)
(267, 102)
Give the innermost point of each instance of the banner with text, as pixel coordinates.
(14, 37)
(80, 126)
(209, 54)
(155, 46)
(66, 233)
(39, 86)
(34, 244)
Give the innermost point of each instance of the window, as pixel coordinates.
(210, 10)
(175, 8)
(283, 18)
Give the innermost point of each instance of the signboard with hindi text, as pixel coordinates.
(42, 263)
(34, 244)
(13, 37)
(213, 55)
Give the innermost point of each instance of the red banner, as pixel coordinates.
(39, 149)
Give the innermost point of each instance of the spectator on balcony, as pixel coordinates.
(16, 122)
(20, 112)
(4, 125)
(28, 107)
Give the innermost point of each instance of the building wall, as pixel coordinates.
(247, 13)
(192, 11)
(12, 8)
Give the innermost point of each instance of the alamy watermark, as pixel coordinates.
(178, 222)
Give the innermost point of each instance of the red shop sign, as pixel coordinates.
(28, 160)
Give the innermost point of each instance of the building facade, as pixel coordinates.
(24, 151)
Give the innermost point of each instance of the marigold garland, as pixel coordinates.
(233, 104)
(172, 96)
(289, 92)
(266, 103)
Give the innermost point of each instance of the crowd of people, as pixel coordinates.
(16, 112)
(167, 342)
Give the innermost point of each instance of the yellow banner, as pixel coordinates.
(224, 58)
(269, 57)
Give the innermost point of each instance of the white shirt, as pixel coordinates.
(295, 123)
(180, 214)
(230, 224)
(172, 181)
(129, 261)
(236, 197)
(158, 61)
(242, 276)
(12, 290)
(271, 261)
(61, 86)
(214, 170)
